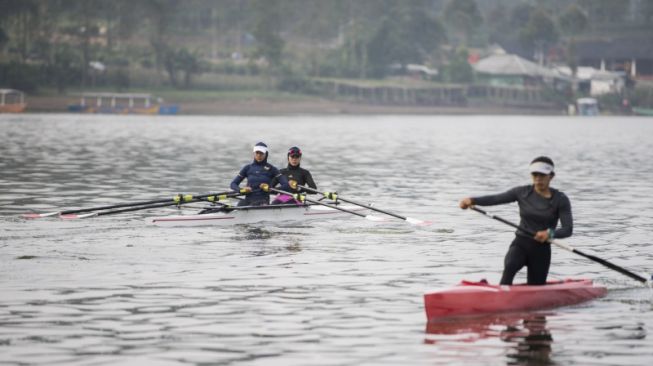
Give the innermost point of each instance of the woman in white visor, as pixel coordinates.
(540, 209)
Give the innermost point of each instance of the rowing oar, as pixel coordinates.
(174, 200)
(569, 248)
(303, 198)
(334, 197)
(188, 199)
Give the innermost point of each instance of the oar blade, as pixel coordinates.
(75, 216)
(33, 215)
(375, 218)
(418, 222)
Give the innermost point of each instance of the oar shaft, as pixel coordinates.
(174, 200)
(610, 265)
(187, 199)
(368, 206)
(145, 207)
(567, 247)
(129, 204)
(319, 203)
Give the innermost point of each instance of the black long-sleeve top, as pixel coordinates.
(302, 176)
(536, 212)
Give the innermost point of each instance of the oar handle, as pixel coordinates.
(569, 248)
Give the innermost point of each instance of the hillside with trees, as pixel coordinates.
(241, 45)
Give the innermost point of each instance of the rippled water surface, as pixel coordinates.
(116, 290)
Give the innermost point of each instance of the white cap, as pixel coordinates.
(260, 148)
(541, 167)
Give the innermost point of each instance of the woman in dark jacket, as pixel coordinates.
(295, 174)
(540, 209)
(258, 173)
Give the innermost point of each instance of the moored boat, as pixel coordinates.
(640, 111)
(12, 101)
(477, 298)
(254, 214)
(122, 103)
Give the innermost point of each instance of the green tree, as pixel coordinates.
(17, 22)
(407, 35)
(539, 33)
(606, 11)
(459, 70)
(520, 15)
(464, 17)
(267, 31)
(161, 15)
(573, 21)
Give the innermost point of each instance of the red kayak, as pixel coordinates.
(476, 298)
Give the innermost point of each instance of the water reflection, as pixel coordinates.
(527, 335)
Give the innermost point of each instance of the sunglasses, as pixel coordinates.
(295, 156)
(538, 175)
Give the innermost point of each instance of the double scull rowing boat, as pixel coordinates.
(255, 214)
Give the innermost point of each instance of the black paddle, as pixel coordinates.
(334, 197)
(569, 248)
(172, 201)
(303, 198)
(211, 198)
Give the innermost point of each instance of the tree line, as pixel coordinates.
(86, 43)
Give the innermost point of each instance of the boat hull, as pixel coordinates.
(249, 215)
(13, 108)
(157, 109)
(476, 298)
(643, 111)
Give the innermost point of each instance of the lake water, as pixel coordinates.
(116, 290)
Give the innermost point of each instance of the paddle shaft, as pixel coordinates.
(164, 204)
(567, 247)
(180, 198)
(145, 207)
(320, 203)
(309, 189)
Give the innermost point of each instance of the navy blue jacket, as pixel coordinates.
(257, 173)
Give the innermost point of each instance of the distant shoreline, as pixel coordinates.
(264, 106)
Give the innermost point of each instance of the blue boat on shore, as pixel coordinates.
(122, 103)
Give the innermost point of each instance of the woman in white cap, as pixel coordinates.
(258, 173)
(540, 208)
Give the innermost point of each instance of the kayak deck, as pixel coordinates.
(254, 214)
(477, 298)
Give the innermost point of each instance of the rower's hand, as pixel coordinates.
(542, 236)
(293, 184)
(246, 190)
(265, 187)
(466, 203)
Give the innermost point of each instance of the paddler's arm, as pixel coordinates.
(490, 200)
(309, 180)
(235, 184)
(282, 179)
(566, 219)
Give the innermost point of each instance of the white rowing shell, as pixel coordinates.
(271, 213)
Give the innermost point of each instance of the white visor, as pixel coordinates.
(541, 167)
(260, 148)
